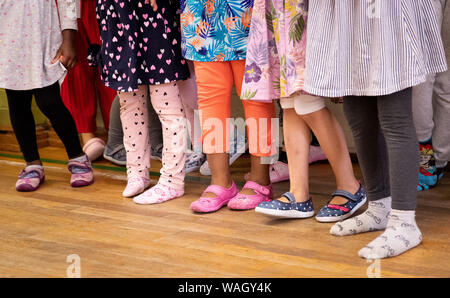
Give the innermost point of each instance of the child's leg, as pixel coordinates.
(114, 149)
(49, 101)
(167, 103)
(402, 233)
(259, 111)
(362, 116)
(188, 94)
(22, 120)
(134, 117)
(332, 140)
(297, 136)
(214, 83)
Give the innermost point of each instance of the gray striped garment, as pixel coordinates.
(371, 47)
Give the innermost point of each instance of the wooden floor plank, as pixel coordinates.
(116, 238)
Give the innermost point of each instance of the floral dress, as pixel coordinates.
(275, 62)
(140, 46)
(215, 30)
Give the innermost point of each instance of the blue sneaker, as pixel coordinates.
(117, 155)
(194, 161)
(333, 212)
(293, 209)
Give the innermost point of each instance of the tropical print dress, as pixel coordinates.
(276, 51)
(215, 30)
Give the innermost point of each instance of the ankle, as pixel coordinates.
(227, 183)
(300, 195)
(34, 163)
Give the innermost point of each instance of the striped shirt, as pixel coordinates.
(371, 47)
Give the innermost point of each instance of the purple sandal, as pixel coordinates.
(224, 195)
(30, 178)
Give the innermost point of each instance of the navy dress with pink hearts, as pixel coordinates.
(140, 46)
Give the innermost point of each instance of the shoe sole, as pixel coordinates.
(284, 214)
(342, 217)
(119, 163)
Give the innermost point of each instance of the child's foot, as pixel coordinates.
(135, 186)
(336, 212)
(158, 194)
(82, 172)
(117, 155)
(245, 201)
(402, 234)
(426, 177)
(30, 178)
(293, 209)
(156, 152)
(211, 204)
(194, 161)
(374, 218)
(94, 148)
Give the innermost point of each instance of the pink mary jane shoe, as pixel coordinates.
(246, 202)
(224, 195)
(82, 173)
(94, 148)
(30, 179)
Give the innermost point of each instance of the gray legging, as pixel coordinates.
(387, 146)
(115, 134)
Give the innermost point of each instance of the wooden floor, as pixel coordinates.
(116, 238)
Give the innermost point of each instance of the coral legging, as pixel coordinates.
(215, 82)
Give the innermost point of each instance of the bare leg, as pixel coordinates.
(297, 137)
(220, 171)
(332, 140)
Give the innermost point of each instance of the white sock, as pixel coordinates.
(374, 218)
(402, 234)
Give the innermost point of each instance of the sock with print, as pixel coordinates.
(374, 218)
(401, 234)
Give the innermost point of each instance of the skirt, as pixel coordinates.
(275, 63)
(371, 48)
(139, 46)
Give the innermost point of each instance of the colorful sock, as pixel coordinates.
(374, 218)
(401, 234)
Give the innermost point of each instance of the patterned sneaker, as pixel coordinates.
(30, 178)
(158, 194)
(82, 173)
(156, 152)
(194, 161)
(334, 212)
(281, 209)
(135, 186)
(427, 171)
(117, 156)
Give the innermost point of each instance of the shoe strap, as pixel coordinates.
(346, 194)
(289, 196)
(84, 166)
(34, 171)
(217, 189)
(264, 190)
(117, 149)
